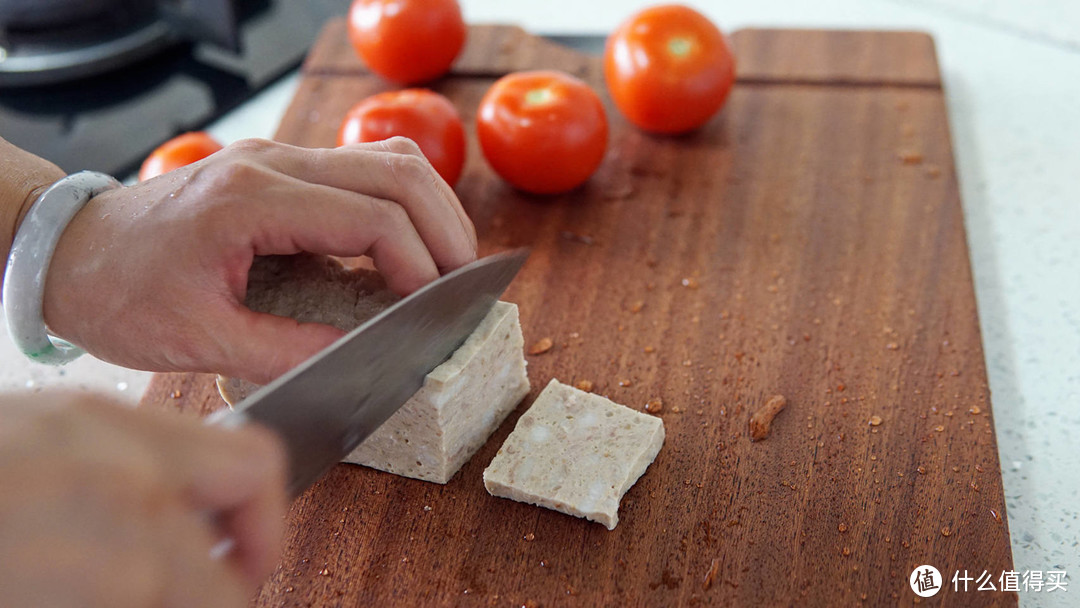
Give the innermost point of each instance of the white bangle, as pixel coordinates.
(28, 263)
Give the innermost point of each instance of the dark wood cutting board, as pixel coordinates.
(808, 242)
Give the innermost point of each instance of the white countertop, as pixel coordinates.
(1012, 81)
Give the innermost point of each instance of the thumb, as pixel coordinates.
(260, 347)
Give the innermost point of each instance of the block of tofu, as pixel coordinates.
(462, 401)
(575, 452)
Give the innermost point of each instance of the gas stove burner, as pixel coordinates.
(51, 41)
(110, 122)
(30, 61)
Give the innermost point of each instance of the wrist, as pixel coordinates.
(25, 177)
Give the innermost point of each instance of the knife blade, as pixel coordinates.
(329, 404)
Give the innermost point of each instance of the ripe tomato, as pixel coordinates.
(668, 69)
(423, 116)
(544, 132)
(177, 152)
(407, 41)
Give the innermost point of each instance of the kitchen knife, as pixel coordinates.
(329, 404)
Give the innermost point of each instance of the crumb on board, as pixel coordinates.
(761, 420)
(636, 306)
(584, 239)
(690, 283)
(875, 420)
(542, 346)
(584, 385)
(625, 382)
(910, 157)
(655, 405)
(710, 576)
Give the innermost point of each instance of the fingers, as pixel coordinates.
(118, 513)
(194, 578)
(392, 170)
(300, 217)
(240, 477)
(235, 477)
(261, 347)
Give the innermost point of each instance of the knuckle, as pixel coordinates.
(230, 174)
(413, 170)
(402, 145)
(252, 146)
(393, 215)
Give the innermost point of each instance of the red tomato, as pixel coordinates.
(544, 132)
(423, 116)
(668, 69)
(407, 41)
(177, 152)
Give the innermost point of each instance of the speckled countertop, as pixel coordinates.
(1012, 78)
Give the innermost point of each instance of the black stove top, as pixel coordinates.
(109, 122)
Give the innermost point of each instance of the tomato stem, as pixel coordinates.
(680, 46)
(538, 97)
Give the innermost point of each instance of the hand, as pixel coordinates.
(154, 276)
(106, 506)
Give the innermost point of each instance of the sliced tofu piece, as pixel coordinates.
(575, 452)
(462, 401)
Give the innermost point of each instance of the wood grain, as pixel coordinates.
(808, 242)
(836, 57)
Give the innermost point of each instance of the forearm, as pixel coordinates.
(24, 177)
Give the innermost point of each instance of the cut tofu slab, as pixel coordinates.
(575, 452)
(462, 401)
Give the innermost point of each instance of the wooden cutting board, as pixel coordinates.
(808, 242)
